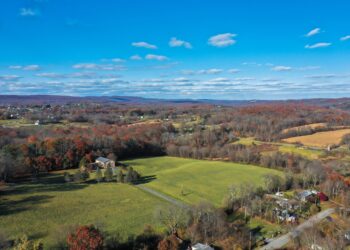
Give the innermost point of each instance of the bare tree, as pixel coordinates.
(207, 224)
(172, 217)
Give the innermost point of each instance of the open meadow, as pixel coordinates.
(193, 181)
(308, 126)
(287, 148)
(42, 210)
(320, 139)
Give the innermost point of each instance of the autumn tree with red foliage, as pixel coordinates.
(85, 238)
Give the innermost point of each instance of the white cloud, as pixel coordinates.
(94, 66)
(181, 79)
(179, 43)
(118, 60)
(253, 64)
(209, 71)
(313, 32)
(85, 66)
(326, 76)
(219, 79)
(31, 67)
(15, 67)
(50, 75)
(156, 57)
(27, 12)
(136, 58)
(222, 40)
(282, 68)
(188, 72)
(318, 45)
(345, 38)
(243, 79)
(144, 45)
(202, 72)
(233, 71)
(10, 77)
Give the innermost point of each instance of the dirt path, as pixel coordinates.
(163, 196)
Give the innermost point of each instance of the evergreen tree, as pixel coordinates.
(120, 176)
(128, 176)
(98, 175)
(108, 174)
(83, 162)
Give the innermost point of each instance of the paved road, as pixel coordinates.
(163, 196)
(283, 240)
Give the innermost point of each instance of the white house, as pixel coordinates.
(200, 246)
(104, 162)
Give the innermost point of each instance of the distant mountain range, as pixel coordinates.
(56, 99)
(343, 103)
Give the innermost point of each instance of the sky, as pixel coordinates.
(176, 49)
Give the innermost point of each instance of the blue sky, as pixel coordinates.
(218, 49)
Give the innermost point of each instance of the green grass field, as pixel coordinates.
(285, 148)
(15, 123)
(38, 209)
(195, 180)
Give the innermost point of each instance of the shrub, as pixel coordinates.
(80, 176)
(85, 237)
(120, 176)
(85, 175)
(169, 243)
(131, 175)
(24, 243)
(77, 176)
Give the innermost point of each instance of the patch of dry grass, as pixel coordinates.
(311, 126)
(320, 139)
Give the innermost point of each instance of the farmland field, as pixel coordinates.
(308, 126)
(285, 148)
(195, 180)
(320, 139)
(40, 209)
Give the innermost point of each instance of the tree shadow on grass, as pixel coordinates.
(8, 207)
(145, 179)
(40, 188)
(257, 230)
(38, 235)
(186, 193)
(49, 183)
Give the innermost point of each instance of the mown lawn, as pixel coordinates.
(264, 228)
(41, 209)
(193, 181)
